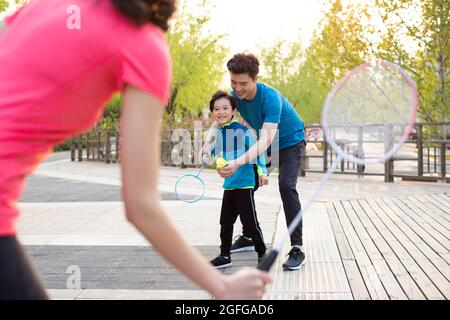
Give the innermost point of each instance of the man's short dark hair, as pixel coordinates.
(219, 95)
(244, 63)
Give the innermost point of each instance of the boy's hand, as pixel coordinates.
(263, 181)
(206, 159)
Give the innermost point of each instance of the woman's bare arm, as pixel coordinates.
(141, 114)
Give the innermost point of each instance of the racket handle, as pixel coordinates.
(268, 261)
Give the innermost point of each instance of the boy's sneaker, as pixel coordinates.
(221, 262)
(242, 244)
(296, 259)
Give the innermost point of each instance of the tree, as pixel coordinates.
(340, 42)
(305, 76)
(3, 5)
(288, 70)
(424, 26)
(198, 62)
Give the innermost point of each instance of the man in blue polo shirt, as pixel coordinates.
(275, 120)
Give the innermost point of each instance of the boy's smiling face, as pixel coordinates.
(223, 111)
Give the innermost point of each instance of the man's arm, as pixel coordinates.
(3, 27)
(267, 134)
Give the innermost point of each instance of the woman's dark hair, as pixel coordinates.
(141, 12)
(244, 63)
(219, 95)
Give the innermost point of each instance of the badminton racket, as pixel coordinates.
(366, 118)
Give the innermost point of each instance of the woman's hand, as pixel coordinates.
(246, 284)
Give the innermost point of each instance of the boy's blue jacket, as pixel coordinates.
(233, 140)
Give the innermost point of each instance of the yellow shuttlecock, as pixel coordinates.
(221, 163)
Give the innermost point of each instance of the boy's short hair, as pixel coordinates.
(244, 63)
(219, 95)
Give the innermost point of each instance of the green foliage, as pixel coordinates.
(411, 33)
(198, 64)
(306, 76)
(288, 70)
(111, 114)
(429, 64)
(65, 146)
(3, 5)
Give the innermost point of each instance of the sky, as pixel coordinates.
(252, 24)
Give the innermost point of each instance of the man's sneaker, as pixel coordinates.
(242, 244)
(221, 262)
(295, 260)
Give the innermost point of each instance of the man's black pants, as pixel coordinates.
(288, 161)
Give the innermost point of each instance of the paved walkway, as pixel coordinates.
(74, 228)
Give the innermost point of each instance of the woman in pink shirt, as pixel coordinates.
(60, 63)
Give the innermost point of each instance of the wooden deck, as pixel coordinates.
(375, 248)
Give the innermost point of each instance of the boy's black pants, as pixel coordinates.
(239, 202)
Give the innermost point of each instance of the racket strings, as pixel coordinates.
(369, 113)
(189, 188)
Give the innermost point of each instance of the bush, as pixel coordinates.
(65, 146)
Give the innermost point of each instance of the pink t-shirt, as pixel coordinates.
(55, 80)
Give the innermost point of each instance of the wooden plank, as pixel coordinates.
(427, 245)
(429, 215)
(429, 206)
(435, 276)
(390, 283)
(357, 285)
(392, 287)
(443, 199)
(323, 273)
(368, 272)
(408, 285)
(385, 226)
(422, 231)
(319, 237)
(362, 233)
(345, 250)
(431, 203)
(446, 257)
(427, 286)
(387, 235)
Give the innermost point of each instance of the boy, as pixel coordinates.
(233, 140)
